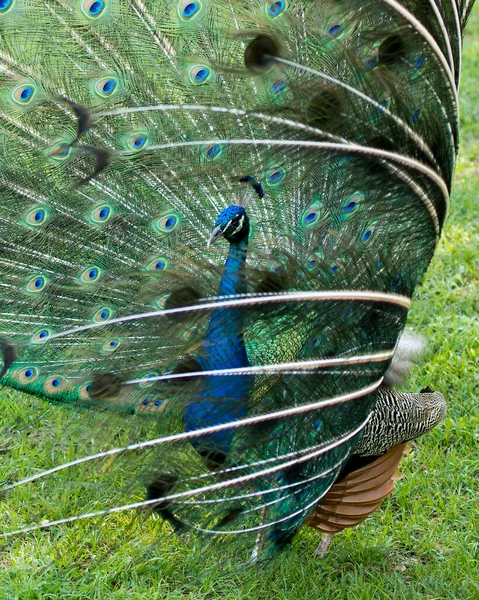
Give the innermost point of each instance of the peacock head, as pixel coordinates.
(232, 224)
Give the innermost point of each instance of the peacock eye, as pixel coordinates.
(137, 141)
(101, 214)
(167, 223)
(5, 5)
(91, 275)
(61, 151)
(93, 8)
(23, 94)
(335, 31)
(106, 86)
(276, 8)
(103, 314)
(199, 74)
(189, 9)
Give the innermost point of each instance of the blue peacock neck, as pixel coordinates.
(224, 398)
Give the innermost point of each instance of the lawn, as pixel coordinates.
(422, 543)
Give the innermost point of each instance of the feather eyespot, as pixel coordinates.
(37, 216)
(23, 94)
(311, 216)
(91, 275)
(415, 115)
(335, 31)
(28, 375)
(101, 214)
(278, 86)
(211, 152)
(274, 176)
(367, 234)
(106, 86)
(334, 267)
(61, 151)
(54, 384)
(199, 74)
(37, 284)
(102, 315)
(351, 204)
(137, 141)
(167, 223)
(41, 336)
(5, 5)
(83, 391)
(93, 8)
(276, 8)
(420, 61)
(161, 301)
(148, 380)
(159, 264)
(189, 9)
(111, 346)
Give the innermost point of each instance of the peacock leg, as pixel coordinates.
(323, 546)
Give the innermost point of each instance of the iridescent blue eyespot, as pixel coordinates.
(101, 214)
(37, 216)
(28, 375)
(37, 284)
(415, 115)
(160, 265)
(277, 86)
(334, 268)
(146, 401)
(371, 62)
(5, 5)
(317, 425)
(41, 335)
(61, 151)
(335, 31)
(93, 8)
(199, 74)
(53, 384)
(111, 346)
(274, 175)
(158, 402)
(277, 268)
(103, 314)
(420, 62)
(276, 8)
(189, 9)
(212, 151)
(106, 86)
(366, 235)
(350, 207)
(22, 94)
(137, 141)
(148, 379)
(88, 387)
(91, 275)
(167, 223)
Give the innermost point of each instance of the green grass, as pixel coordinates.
(423, 543)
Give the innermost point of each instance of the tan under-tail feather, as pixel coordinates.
(359, 494)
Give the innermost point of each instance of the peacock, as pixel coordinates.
(214, 216)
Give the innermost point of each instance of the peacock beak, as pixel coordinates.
(217, 233)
